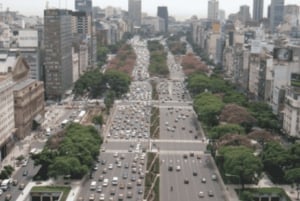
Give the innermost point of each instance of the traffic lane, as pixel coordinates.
(179, 124)
(188, 166)
(124, 145)
(21, 178)
(180, 146)
(115, 172)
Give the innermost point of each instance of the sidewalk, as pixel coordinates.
(265, 182)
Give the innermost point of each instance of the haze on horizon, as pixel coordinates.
(181, 9)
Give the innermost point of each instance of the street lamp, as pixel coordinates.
(234, 175)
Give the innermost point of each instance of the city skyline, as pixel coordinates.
(177, 8)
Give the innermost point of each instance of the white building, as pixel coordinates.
(7, 125)
(213, 9)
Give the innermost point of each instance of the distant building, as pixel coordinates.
(222, 16)
(58, 52)
(162, 12)
(213, 9)
(84, 5)
(258, 10)
(135, 13)
(276, 13)
(244, 13)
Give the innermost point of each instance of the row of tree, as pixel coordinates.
(74, 155)
(158, 59)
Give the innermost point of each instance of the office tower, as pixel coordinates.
(213, 9)
(244, 13)
(221, 16)
(276, 13)
(162, 12)
(135, 12)
(258, 10)
(84, 5)
(58, 52)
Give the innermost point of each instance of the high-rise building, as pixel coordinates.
(221, 16)
(244, 13)
(213, 9)
(162, 12)
(258, 10)
(84, 5)
(58, 52)
(135, 12)
(276, 13)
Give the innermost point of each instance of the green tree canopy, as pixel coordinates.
(224, 129)
(208, 107)
(117, 81)
(242, 162)
(293, 175)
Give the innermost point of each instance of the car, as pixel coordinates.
(99, 189)
(198, 156)
(203, 180)
(14, 182)
(192, 154)
(129, 194)
(195, 173)
(80, 199)
(101, 177)
(102, 197)
(133, 178)
(129, 185)
(91, 197)
(25, 172)
(185, 156)
(186, 181)
(112, 191)
(120, 196)
(214, 177)
(210, 193)
(21, 186)
(178, 168)
(104, 170)
(139, 182)
(140, 190)
(95, 167)
(121, 185)
(103, 162)
(116, 154)
(126, 165)
(125, 175)
(119, 164)
(170, 168)
(103, 149)
(110, 166)
(8, 197)
(201, 194)
(1, 191)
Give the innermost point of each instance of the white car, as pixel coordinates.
(178, 168)
(110, 166)
(102, 196)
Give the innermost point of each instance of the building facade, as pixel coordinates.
(58, 52)
(258, 10)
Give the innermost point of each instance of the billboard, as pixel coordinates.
(248, 36)
(283, 54)
(295, 79)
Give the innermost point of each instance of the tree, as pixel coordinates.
(224, 129)
(242, 162)
(274, 157)
(208, 107)
(98, 119)
(293, 175)
(117, 81)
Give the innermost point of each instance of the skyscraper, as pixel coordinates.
(213, 9)
(162, 12)
(58, 52)
(276, 13)
(135, 12)
(258, 10)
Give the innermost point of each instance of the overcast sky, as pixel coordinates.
(178, 8)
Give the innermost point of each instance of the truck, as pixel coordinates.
(5, 184)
